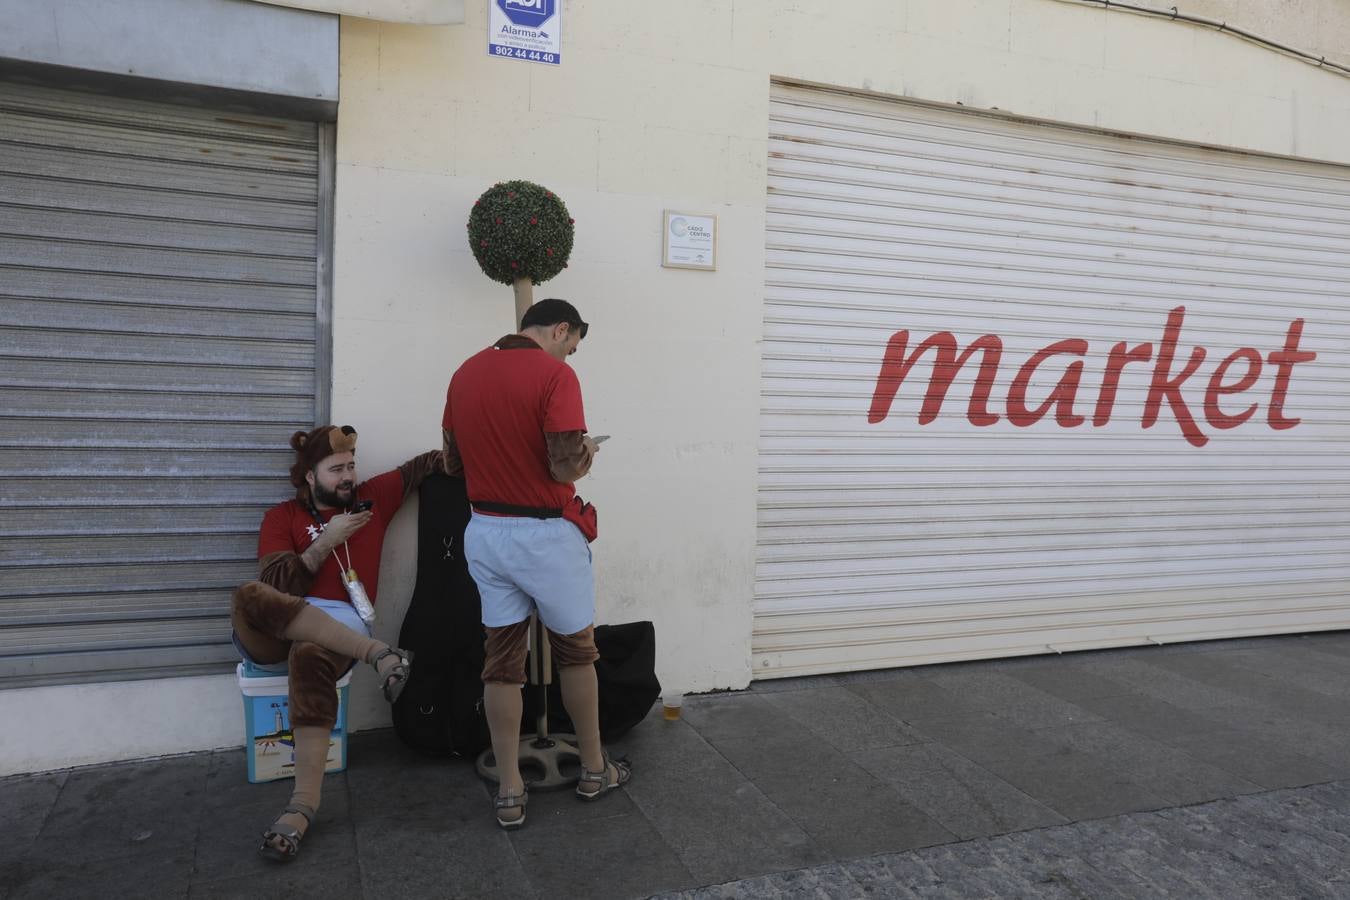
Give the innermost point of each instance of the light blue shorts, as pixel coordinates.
(521, 564)
(341, 610)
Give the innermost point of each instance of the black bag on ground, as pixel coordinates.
(440, 711)
(626, 672)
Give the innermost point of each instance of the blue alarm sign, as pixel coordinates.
(529, 30)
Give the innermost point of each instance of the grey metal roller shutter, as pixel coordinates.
(158, 290)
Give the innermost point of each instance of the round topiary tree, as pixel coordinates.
(521, 235)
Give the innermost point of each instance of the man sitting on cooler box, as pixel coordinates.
(311, 609)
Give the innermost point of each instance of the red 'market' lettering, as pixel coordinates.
(894, 368)
(1213, 414)
(1167, 387)
(1115, 362)
(1061, 397)
(1284, 362)
(1164, 384)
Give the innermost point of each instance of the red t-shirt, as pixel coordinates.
(289, 527)
(498, 406)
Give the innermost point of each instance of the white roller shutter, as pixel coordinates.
(898, 542)
(157, 346)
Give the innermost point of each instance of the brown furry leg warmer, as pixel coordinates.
(573, 649)
(505, 649)
(260, 615)
(314, 672)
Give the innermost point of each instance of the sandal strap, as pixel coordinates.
(510, 801)
(398, 674)
(621, 767)
(289, 832)
(600, 776)
(404, 657)
(301, 809)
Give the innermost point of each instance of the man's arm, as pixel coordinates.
(418, 468)
(286, 571)
(452, 461)
(570, 454)
(281, 566)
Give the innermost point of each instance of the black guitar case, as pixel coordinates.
(440, 711)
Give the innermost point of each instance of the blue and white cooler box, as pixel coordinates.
(268, 740)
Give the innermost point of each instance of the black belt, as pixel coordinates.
(526, 512)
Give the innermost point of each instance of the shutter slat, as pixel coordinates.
(259, 212)
(126, 231)
(152, 348)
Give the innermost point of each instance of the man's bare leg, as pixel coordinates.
(313, 701)
(581, 698)
(311, 758)
(503, 704)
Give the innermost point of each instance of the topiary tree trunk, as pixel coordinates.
(523, 288)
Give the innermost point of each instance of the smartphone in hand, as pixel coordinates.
(599, 438)
(362, 505)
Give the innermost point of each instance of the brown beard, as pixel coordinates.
(334, 499)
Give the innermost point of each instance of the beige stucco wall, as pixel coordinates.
(666, 106)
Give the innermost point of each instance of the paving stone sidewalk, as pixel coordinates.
(1219, 769)
(1291, 843)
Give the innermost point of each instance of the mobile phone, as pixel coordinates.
(362, 505)
(599, 438)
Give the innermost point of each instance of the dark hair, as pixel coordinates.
(553, 312)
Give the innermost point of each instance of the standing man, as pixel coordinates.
(514, 429)
(319, 569)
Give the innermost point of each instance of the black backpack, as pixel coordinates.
(440, 711)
